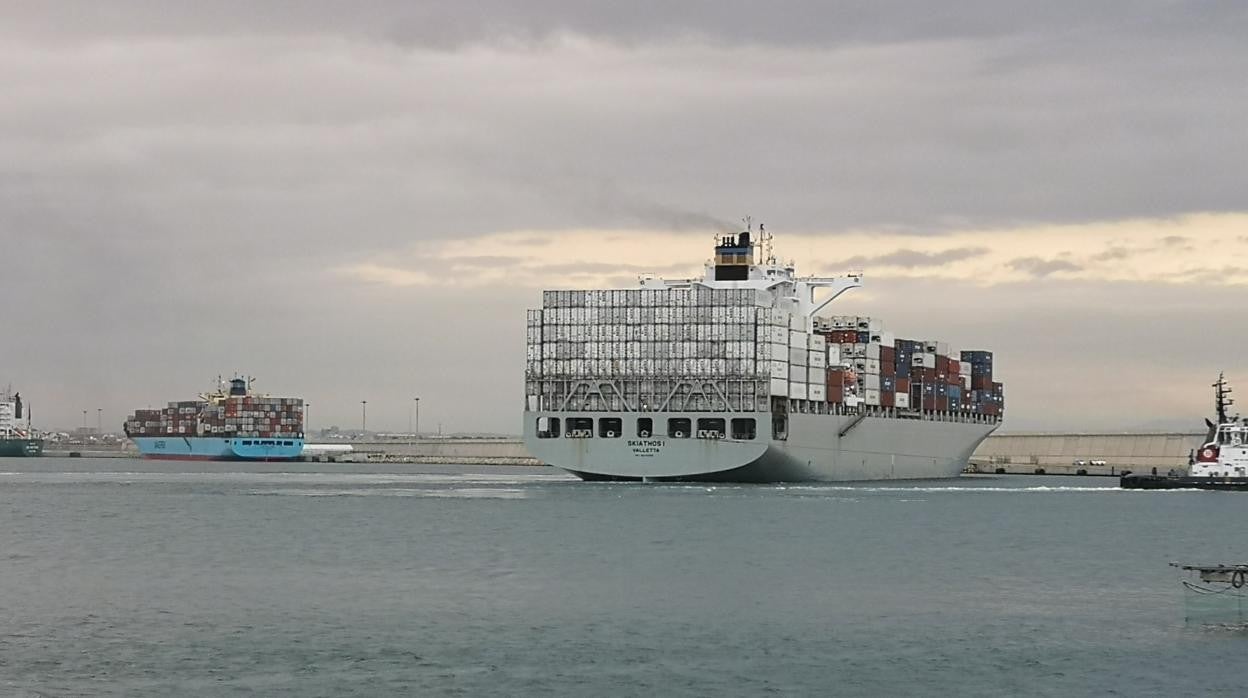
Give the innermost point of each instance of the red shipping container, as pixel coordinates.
(888, 356)
(903, 385)
(981, 382)
(887, 369)
(888, 398)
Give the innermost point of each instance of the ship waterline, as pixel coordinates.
(818, 448)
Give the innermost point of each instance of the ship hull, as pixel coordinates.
(18, 448)
(818, 448)
(1166, 482)
(209, 448)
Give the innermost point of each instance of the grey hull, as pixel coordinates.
(871, 448)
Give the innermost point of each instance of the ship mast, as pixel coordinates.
(1222, 399)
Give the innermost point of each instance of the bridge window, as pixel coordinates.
(679, 427)
(645, 427)
(610, 427)
(547, 427)
(743, 429)
(247, 442)
(711, 428)
(579, 428)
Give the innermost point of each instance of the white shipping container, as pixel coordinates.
(778, 369)
(818, 359)
(799, 323)
(871, 397)
(871, 381)
(797, 357)
(797, 374)
(818, 392)
(779, 386)
(817, 341)
(964, 368)
(902, 401)
(873, 351)
(834, 355)
(888, 339)
(923, 360)
(798, 339)
(797, 391)
(780, 335)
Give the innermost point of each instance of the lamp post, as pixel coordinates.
(417, 401)
(84, 420)
(307, 418)
(363, 417)
(99, 421)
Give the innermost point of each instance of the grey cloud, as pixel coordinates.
(1114, 253)
(186, 219)
(1175, 240)
(596, 268)
(1217, 275)
(448, 25)
(476, 261)
(910, 259)
(1037, 267)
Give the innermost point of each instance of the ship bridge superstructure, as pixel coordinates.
(14, 416)
(740, 262)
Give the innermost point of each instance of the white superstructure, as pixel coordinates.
(13, 418)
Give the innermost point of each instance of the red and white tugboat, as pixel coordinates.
(1221, 463)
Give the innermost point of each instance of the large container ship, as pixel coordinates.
(17, 439)
(736, 377)
(227, 424)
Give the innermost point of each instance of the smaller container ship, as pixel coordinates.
(230, 423)
(16, 439)
(1221, 463)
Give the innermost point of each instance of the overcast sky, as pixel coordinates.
(357, 201)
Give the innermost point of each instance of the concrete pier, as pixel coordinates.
(1059, 453)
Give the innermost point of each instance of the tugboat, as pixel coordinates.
(1221, 463)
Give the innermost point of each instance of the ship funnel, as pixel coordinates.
(17, 406)
(238, 387)
(743, 240)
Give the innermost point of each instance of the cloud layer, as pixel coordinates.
(357, 202)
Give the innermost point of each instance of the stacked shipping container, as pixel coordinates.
(247, 416)
(696, 342)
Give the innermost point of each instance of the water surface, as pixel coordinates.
(125, 577)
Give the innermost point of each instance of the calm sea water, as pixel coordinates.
(144, 578)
